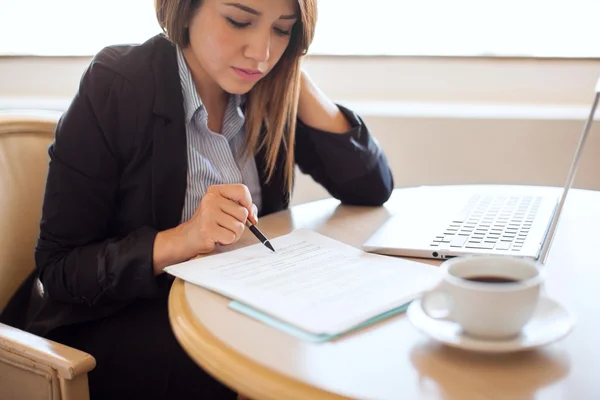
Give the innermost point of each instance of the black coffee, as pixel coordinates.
(490, 279)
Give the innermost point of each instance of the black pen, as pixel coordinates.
(259, 235)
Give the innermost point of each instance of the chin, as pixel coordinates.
(237, 87)
(238, 90)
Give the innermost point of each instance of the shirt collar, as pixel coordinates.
(191, 100)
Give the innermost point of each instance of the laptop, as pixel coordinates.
(448, 221)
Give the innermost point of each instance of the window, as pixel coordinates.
(512, 28)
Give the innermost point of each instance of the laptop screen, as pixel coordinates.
(571, 175)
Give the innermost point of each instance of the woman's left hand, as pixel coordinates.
(315, 109)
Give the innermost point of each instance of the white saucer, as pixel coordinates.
(550, 322)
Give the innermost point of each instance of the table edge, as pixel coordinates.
(227, 365)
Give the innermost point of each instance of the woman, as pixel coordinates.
(166, 150)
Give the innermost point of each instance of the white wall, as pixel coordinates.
(439, 120)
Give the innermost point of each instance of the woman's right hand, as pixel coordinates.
(220, 218)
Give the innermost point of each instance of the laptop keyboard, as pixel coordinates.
(491, 223)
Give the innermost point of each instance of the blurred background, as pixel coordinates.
(460, 91)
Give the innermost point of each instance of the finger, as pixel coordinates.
(238, 193)
(233, 209)
(228, 222)
(223, 236)
(228, 229)
(254, 215)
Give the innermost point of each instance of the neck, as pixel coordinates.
(211, 94)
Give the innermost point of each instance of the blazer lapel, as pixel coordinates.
(169, 149)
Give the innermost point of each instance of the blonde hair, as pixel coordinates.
(272, 104)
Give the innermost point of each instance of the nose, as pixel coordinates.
(259, 46)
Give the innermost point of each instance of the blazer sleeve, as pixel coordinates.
(76, 257)
(350, 166)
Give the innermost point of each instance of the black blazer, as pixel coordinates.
(117, 176)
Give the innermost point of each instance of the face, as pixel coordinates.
(235, 43)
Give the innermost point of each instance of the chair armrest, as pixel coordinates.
(67, 361)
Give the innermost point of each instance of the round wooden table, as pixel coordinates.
(392, 360)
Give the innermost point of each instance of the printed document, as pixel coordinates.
(313, 282)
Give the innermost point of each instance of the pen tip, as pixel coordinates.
(268, 244)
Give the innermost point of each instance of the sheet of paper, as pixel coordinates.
(313, 282)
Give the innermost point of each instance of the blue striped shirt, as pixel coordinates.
(213, 158)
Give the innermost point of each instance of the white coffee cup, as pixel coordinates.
(483, 309)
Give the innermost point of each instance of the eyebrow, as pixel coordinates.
(254, 12)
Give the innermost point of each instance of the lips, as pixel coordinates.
(249, 71)
(248, 74)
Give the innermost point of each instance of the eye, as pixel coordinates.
(237, 24)
(283, 32)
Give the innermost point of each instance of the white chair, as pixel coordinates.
(30, 366)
